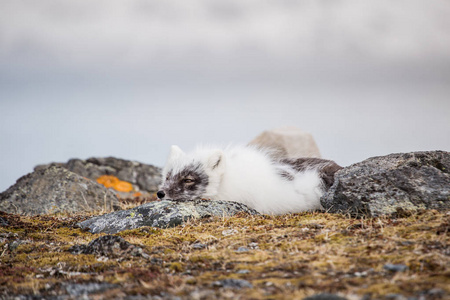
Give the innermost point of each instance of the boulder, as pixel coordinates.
(56, 190)
(387, 185)
(162, 214)
(289, 142)
(143, 177)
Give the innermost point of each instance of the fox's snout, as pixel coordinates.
(160, 194)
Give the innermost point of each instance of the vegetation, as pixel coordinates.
(282, 257)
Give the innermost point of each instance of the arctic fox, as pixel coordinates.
(248, 175)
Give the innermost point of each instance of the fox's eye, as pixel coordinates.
(188, 180)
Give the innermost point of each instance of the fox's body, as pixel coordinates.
(247, 175)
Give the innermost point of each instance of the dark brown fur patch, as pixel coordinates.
(326, 168)
(286, 175)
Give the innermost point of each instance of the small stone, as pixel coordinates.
(324, 296)
(243, 271)
(232, 283)
(395, 297)
(315, 226)
(361, 274)
(229, 232)
(198, 246)
(80, 289)
(253, 246)
(242, 249)
(436, 292)
(3, 222)
(395, 268)
(407, 243)
(13, 246)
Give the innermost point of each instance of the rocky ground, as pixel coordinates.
(384, 234)
(241, 257)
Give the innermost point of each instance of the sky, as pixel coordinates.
(130, 78)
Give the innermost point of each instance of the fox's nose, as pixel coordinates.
(160, 194)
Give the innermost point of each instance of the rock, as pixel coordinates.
(392, 184)
(229, 232)
(253, 246)
(324, 296)
(163, 214)
(56, 190)
(110, 246)
(289, 142)
(396, 297)
(143, 177)
(395, 268)
(3, 222)
(83, 289)
(232, 283)
(198, 246)
(242, 249)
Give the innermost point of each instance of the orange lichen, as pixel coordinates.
(137, 194)
(110, 181)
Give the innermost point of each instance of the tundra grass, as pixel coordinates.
(282, 257)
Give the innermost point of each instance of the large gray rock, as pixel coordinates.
(143, 177)
(383, 185)
(290, 142)
(162, 214)
(56, 190)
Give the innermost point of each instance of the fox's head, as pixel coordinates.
(192, 176)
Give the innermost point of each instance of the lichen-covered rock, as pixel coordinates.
(384, 185)
(109, 246)
(144, 177)
(56, 190)
(163, 214)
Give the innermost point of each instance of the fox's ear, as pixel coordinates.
(216, 161)
(175, 152)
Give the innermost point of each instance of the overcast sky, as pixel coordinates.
(130, 78)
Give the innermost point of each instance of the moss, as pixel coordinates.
(142, 232)
(176, 267)
(288, 257)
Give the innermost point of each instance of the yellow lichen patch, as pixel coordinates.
(110, 181)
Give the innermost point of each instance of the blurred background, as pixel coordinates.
(130, 78)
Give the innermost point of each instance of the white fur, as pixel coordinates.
(248, 175)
